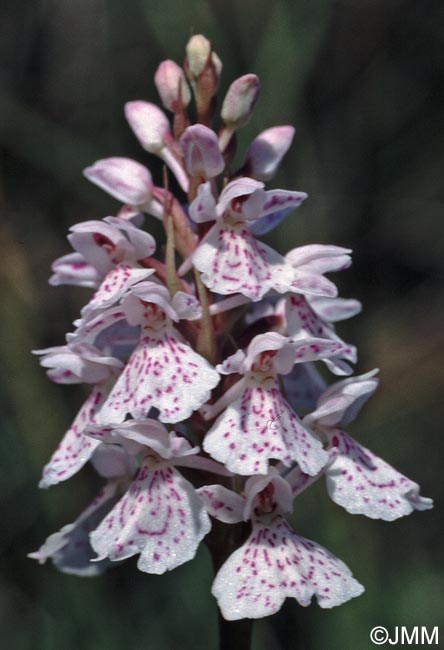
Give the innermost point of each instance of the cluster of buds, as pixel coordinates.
(206, 398)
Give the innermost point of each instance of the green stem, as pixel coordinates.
(205, 340)
(173, 281)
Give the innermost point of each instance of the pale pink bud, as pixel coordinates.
(151, 127)
(240, 100)
(149, 124)
(125, 179)
(201, 151)
(171, 85)
(198, 49)
(267, 150)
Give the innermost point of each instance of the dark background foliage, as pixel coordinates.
(362, 81)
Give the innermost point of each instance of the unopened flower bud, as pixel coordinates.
(240, 100)
(198, 49)
(125, 179)
(172, 85)
(151, 127)
(149, 124)
(201, 152)
(267, 150)
(203, 68)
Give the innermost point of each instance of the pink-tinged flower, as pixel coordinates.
(230, 259)
(258, 424)
(274, 563)
(112, 246)
(74, 269)
(172, 85)
(163, 371)
(201, 152)
(73, 364)
(267, 150)
(151, 127)
(76, 363)
(70, 549)
(109, 242)
(160, 517)
(126, 180)
(240, 100)
(356, 479)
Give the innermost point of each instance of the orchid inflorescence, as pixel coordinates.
(205, 399)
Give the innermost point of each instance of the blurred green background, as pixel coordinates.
(362, 82)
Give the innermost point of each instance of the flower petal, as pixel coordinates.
(267, 150)
(161, 517)
(76, 363)
(222, 504)
(275, 564)
(364, 484)
(313, 284)
(279, 199)
(115, 285)
(142, 244)
(335, 309)
(260, 426)
(163, 373)
(201, 151)
(319, 258)
(342, 401)
(126, 180)
(149, 124)
(73, 269)
(203, 208)
(242, 187)
(303, 322)
(266, 224)
(75, 449)
(232, 261)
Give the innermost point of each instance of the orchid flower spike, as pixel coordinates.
(218, 334)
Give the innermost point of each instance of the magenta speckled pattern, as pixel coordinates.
(160, 516)
(274, 564)
(260, 426)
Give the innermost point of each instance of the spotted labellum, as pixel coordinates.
(219, 388)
